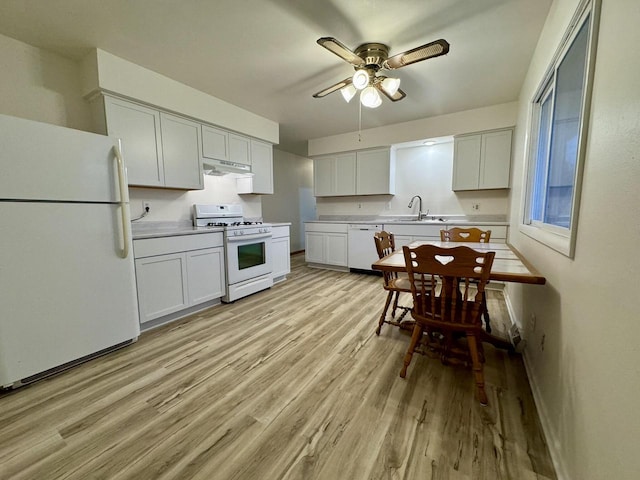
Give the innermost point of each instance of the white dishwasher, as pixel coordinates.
(362, 249)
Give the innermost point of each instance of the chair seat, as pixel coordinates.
(402, 284)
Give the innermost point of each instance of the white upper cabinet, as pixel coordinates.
(160, 150)
(239, 149)
(367, 172)
(215, 143)
(375, 172)
(138, 128)
(182, 159)
(261, 182)
(482, 160)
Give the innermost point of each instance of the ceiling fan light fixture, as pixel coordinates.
(370, 97)
(348, 92)
(391, 85)
(360, 79)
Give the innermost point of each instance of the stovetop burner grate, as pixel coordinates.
(231, 224)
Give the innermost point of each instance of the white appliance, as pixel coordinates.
(67, 280)
(247, 248)
(362, 249)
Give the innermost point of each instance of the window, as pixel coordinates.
(559, 122)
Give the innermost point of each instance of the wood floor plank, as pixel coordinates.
(290, 383)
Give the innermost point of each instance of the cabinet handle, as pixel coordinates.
(124, 197)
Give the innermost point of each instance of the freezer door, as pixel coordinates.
(39, 161)
(65, 292)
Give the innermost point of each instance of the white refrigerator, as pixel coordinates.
(67, 279)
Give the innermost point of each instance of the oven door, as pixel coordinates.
(248, 256)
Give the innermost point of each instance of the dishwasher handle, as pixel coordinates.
(365, 228)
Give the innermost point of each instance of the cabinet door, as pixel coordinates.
(239, 149)
(495, 159)
(215, 143)
(181, 152)
(466, 162)
(336, 247)
(345, 174)
(324, 170)
(138, 128)
(262, 167)
(314, 247)
(162, 285)
(281, 257)
(205, 275)
(375, 172)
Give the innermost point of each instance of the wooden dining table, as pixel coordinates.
(508, 266)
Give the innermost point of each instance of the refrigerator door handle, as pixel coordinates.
(124, 194)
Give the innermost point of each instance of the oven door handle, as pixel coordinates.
(242, 238)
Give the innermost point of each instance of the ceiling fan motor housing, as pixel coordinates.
(373, 54)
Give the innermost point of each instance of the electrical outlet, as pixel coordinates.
(359, 205)
(476, 206)
(532, 322)
(146, 206)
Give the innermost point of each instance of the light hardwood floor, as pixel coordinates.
(290, 383)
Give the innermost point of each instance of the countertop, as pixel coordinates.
(168, 229)
(171, 229)
(410, 220)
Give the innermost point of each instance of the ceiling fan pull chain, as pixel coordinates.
(359, 121)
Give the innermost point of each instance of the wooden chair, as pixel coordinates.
(465, 235)
(470, 235)
(393, 283)
(452, 310)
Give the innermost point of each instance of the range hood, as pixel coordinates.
(224, 167)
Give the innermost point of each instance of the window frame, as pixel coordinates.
(556, 237)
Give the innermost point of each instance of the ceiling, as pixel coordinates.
(262, 55)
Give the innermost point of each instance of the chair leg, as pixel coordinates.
(485, 313)
(415, 338)
(384, 312)
(395, 305)
(478, 371)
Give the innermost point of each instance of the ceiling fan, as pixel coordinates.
(368, 59)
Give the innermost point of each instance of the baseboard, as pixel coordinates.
(546, 424)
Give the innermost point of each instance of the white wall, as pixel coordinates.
(41, 86)
(293, 199)
(586, 379)
(102, 70)
(486, 118)
(177, 205)
(426, 171)
(46, 87)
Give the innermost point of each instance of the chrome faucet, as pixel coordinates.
(419, 205)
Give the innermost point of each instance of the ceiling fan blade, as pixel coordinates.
(333, 88)
(399, 95)
(334, 46)
(418, 54)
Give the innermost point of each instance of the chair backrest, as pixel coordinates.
(458, 269)
(385, 243)
(457, 234)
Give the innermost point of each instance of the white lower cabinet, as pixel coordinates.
(178, 272)
(205, 277)
(281, 249)
(162, 285)
(326, 244)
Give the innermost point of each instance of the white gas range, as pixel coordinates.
(247, 248)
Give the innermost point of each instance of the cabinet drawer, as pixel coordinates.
(280, 232)
(148, 247)
(327, 227)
